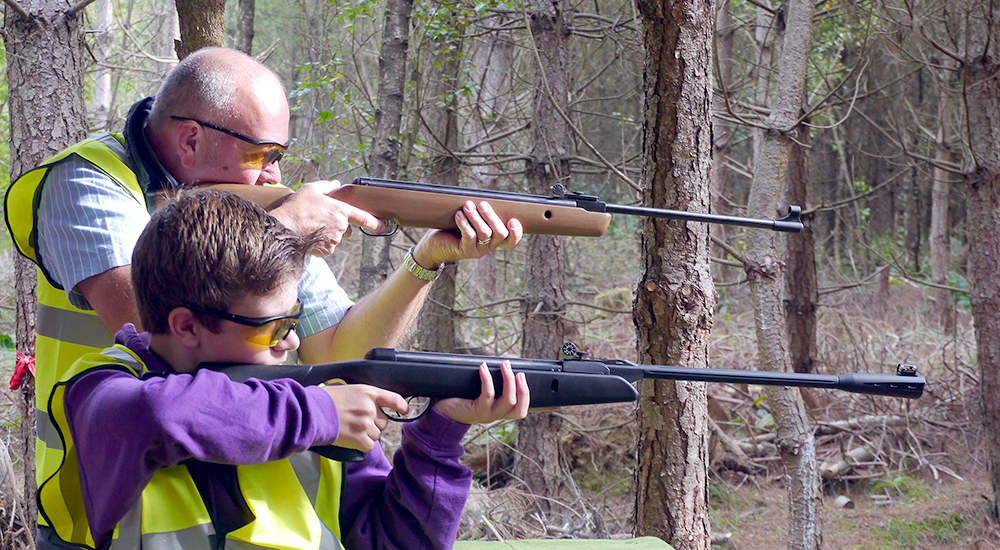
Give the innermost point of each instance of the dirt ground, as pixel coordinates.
(933, 516)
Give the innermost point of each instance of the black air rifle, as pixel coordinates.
(552, 383)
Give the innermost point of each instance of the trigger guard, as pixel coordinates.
(391, 224)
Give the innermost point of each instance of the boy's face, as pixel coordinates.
(237, 343)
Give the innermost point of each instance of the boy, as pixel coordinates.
(161, 454)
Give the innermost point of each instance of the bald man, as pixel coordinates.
(219, 117)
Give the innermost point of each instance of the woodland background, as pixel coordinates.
(882, 150)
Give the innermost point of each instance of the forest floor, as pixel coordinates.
(925, 487)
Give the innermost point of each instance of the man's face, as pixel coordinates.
(238, 343)
(240, 150)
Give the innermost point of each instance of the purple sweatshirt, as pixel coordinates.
(125, 429)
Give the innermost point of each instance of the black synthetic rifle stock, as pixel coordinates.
(426, 205)
(552, 383)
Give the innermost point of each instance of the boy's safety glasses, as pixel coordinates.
(270, 331)
(262, 154)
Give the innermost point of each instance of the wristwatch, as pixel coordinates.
(417, 271)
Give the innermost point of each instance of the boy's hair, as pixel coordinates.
(209, 248)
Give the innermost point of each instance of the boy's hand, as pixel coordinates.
(513, 404)
(359, 408)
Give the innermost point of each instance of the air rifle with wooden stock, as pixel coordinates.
(574, 380)
(425, 205)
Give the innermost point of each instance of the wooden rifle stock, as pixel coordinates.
(424, 205)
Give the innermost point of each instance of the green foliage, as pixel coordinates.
(939, 530)
(902, 486)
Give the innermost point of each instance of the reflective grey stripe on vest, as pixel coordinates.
(112, 143)
(73, 327)
(46, 432)
(307, 468)
(125, 358)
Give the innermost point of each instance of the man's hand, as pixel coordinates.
(481, 232)
(513, 404)
(359, 408)
(309, 209)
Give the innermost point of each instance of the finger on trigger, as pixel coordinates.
(364, 219)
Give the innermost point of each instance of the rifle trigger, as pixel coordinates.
(391, 224)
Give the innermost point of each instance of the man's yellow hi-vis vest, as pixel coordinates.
(295, 502)
(64, 333)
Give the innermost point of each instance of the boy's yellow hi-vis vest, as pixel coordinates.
(295, 502)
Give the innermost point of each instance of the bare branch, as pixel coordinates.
(18, 9)
(75, 9)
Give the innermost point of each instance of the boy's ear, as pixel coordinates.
(184, 327)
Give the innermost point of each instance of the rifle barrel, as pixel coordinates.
(891, 385)
(790, 223)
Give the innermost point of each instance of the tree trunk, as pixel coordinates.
(202, 24)
(436, 325)
(491, 65)
(45, 64)
(722, 131)
(102, 74)
(940, 236)
(675, 300)
(384, 161)
(538, 461)
(244, 26)
(765, 272)
(980, 76)
(800, 258)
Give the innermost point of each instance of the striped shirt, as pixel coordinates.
(87, 224)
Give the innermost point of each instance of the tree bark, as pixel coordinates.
(722, 130)
(765, 272)
(538, 461)
(202, 24)
(940, 236)
(491, 65)
(45, 64)
(979, 74)
(244, 26)
(436, 325)
(675, 300)
(800, 259)
(102, 74)
(384, 161)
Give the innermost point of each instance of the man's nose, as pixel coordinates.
(270, 174)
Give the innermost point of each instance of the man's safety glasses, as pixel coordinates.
(262, 154)
(270, 330)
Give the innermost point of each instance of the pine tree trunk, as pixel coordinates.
(940, 235)
(45, 64)
(384, 161)
(766, 273)
(980, 75)
(491, 67)
(244, 26)
(202, 24)
(802, 289)
(675, 301)
(539, 459)
(436, 324)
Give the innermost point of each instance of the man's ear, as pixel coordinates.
(184, 327)
(188, 137)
